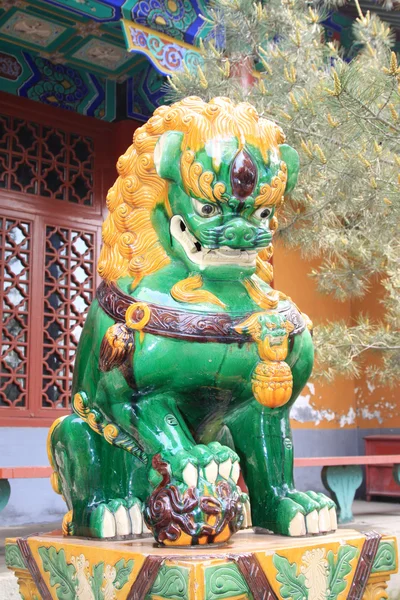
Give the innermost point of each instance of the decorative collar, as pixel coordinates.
(184, 324)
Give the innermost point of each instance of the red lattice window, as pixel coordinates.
(15, 274)
(69, 287)
(45, 161)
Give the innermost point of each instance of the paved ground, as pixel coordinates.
(380, 516)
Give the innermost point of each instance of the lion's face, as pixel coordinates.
(222, 198)
(275, 327)
(200, 183)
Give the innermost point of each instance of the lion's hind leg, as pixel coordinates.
(96, 481)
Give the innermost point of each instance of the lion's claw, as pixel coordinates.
(319, 513)
(117, 518)
(206, 462)
(300, 513)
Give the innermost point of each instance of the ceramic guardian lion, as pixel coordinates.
(189, 361)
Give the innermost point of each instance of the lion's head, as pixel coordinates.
(200, 183)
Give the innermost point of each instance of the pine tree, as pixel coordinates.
(343, 118)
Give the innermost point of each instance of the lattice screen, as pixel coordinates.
(68, 292)
(15, 274)
(45, 161)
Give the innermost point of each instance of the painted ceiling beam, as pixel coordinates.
(179, 19)
(167, 54)
(166, 31)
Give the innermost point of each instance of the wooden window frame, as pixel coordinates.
(43, 211)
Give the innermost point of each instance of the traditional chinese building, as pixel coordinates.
(76, 78)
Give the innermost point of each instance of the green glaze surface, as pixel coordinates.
(13, 557)
(166, 424)
(385, 559)
(225, 581)
(172, 583)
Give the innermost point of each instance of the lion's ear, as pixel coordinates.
(167, 154)
(292, 160)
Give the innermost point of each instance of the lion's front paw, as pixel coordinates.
(196, 499)
(301, 513)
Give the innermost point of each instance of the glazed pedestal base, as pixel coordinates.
(346, 565)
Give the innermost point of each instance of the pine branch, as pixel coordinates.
(344, 119)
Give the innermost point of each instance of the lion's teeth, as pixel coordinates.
(203, 256)
(229, 252)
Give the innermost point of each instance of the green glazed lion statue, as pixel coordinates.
(189, 361)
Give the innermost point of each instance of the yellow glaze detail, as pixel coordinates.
(110, 432)
(198, 182)
(273, 224)
(27, 587)
(183, 540)
(309, 323)
(55, 482)
(54, 478)
(116, 340)
(272, 381)
(223, 536)
(92, 422)
(49, 436)
(130, 244)
(80, 406)
(131, 322)
(376, 588)
(188, 290)
(272, 194)
(257, 294)
(82, 409)
(266, 253)
(264, 270)
(67, 528)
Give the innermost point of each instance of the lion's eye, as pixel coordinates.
(205, 210)
(263, 213)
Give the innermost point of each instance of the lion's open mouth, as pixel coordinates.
(209, 256)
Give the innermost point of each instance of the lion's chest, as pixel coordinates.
(182, 366)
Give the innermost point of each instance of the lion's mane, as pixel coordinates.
(130, 244)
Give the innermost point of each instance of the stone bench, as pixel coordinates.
(343, 475)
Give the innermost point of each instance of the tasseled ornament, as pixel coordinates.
(118, 342)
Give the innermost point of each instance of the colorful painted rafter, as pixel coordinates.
(167, 54)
